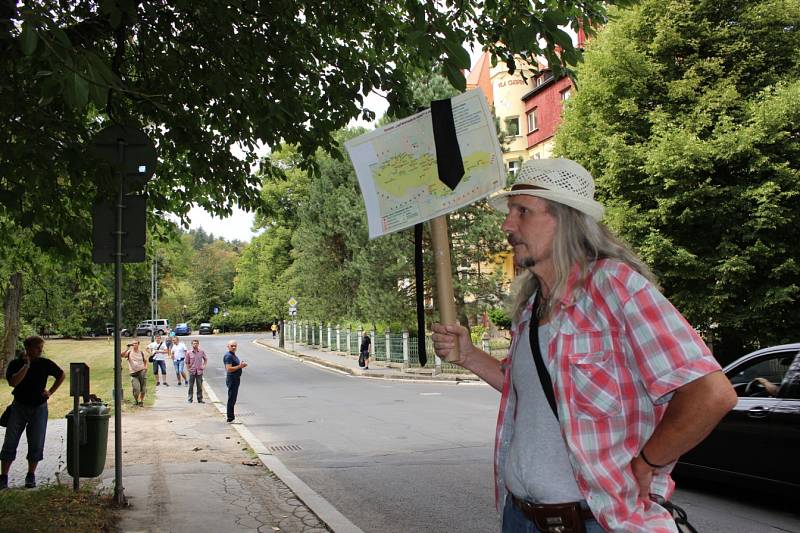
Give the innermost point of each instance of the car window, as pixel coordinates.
(772, 367)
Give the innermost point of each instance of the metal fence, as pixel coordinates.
(317, 335)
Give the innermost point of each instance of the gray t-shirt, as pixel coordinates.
(538, 468)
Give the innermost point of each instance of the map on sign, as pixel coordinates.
(397, 170)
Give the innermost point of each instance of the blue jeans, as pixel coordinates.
(178, 364)
(162, 365)
(515, 521)
(233, 392)
(32, 419)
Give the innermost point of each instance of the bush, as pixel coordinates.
(241, 319)
(499, 318)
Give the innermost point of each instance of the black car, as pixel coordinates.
(205, 329)
(755, 443)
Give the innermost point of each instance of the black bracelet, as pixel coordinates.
(651, 465)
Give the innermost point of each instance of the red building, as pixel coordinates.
(543, 106)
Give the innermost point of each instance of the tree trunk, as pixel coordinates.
(11, 316)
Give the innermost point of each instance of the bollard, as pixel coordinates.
(405, 349)
(485, 343)
(388, 346)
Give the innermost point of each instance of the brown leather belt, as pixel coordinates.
(556, 517)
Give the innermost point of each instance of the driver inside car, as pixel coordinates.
(770, 388)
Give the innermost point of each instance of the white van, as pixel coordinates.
(152, 327)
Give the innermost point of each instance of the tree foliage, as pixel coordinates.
(202, 77)
(687, 116)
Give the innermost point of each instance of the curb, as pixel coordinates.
(441, 378)
(326, 512)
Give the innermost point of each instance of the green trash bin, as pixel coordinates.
(93, 439)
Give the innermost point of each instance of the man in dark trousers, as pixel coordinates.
(233, 367)
(28, 412)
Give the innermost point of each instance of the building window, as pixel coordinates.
(533, 120)
(566, 94)
(513, 167)
(512, 126)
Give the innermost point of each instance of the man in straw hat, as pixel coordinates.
(587, 435)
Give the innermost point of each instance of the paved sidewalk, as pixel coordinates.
(349, 363)
(187, 469)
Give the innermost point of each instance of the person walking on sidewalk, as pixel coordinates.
(137, 366)
(28, 411)
(233, 367)
(363, 355)
(178, 352)
(196, 362)
(605, 384)
(274, 329)
(159, 351)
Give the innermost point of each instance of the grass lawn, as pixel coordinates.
(56, 508)
(99, 355)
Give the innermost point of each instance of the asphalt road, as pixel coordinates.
(397, 456)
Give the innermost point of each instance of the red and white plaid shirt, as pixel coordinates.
(618, 350)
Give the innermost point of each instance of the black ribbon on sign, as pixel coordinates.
(420, 290)
(448, 154)
(450, 167)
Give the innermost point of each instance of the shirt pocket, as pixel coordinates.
(593, 374)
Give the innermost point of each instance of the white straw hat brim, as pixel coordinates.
(591, 207)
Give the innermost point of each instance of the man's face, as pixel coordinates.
(195, 345)
(158, 338)
(232, 346)
(531, 230)
(35, 350)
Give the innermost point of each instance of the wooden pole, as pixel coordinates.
(444, 275)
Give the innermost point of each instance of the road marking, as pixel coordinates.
(430, 393)
(318, 505)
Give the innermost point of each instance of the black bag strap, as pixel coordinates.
(541, 369)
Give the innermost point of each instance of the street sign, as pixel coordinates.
(216, 309)
(104, 222)
(292, 302)
(138, 158)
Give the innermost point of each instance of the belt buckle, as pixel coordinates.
(555, 525)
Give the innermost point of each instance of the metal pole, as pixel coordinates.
(119, 494)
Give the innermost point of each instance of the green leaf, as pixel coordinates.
(457, 54)
(455, 76)
(523, 36)
(76, 91)
(29, 39)
(563, 39)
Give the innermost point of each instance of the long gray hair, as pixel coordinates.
(578, 239)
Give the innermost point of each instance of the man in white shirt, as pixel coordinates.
(158, 349)
(178, 358)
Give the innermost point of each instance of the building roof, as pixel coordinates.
(479, 77)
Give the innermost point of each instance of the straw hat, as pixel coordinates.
(559, 180)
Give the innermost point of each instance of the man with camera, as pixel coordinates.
(137, 366)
